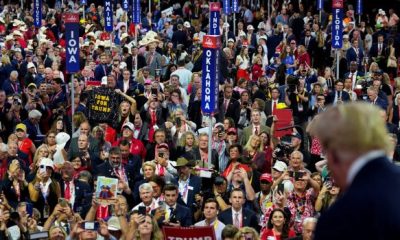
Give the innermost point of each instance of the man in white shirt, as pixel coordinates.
(184, 75)
(211, 209)
(146, 195)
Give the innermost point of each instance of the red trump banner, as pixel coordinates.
(189, 233)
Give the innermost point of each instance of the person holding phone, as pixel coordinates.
(327, 196)
(44, 190)
(164, 166)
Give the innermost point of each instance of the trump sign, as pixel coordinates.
(209, 88)
(337, 24)
(72, 37)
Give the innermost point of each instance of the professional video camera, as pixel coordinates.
(292, 83)
(283, 149)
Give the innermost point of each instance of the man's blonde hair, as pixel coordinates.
(352, 128)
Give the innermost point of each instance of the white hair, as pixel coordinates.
(309, 220)
(146, 186)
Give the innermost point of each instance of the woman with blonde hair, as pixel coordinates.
(187, 142)
(254, 152)
(246, 233)
(41, 152)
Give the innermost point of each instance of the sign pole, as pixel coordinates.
(359, 10)
(235, 9)
(72, 64)
(72, 102)
(149, 6)
(226, 31)
(337, 63)
(320, 7)
(210, 135)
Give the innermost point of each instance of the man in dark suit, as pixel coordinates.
(102, 69)
(175, 214)
(355, 145)
(377, 52)
(76, 192)
(189, 184)
(309, 42)
(355, 54)
(237, 215)
(131, 60)
(113, 168)
(353, 74)
(228, 106)
(11, 85)
(338, 96)
(374, 99)
(200, 152)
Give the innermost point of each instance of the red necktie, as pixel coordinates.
(67, 193)
(274, 107)
(153, 118)
(256, 131)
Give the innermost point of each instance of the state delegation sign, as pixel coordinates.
(72, 36)
(337, 23)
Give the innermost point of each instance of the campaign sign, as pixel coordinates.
(209, 88)
(320, 4)
(125, 5)
(72, 37)
(136, 11)
(108, 16)
(235, 6)
(37, 13)
(359, 7)
(337, 25)
(180, 233)
(214, 18)
(227, 7)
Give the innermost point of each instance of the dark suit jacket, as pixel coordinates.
(249, 218)
(312, 44)
(331, 97)
(106, 170)
(380, 102)
(352, 56)
(141, 62)
(73, 150)
(194, 155)
(233, 110)
(373, 52)
(183, 215)
(368, 209)
(193, 189)
(99, 72)
(83, 196)
(9, 89)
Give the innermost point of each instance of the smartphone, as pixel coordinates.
(161, 204)
(29, 209)
(154, 91)
(161, 155)
(39, 235)
(290, 173)
(297, 175)
(63, 202)
(94, 226)
(178, 122)
(142, 211)
(281, 188)
(42, 168)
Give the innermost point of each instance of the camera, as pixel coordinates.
(219, 180)
(94, 226)
(292, 83)
(282, 150)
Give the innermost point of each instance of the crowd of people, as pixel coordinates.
(261, 180)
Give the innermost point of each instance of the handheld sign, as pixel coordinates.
(37, 13)
(337, 24)
(235, 6)
(136, 11)
(72, 37)
(209, 87)
(180, 233)
(359, 7)
(227, 7)
(214, 18)
(125, 5)
(108, 16)
(320, 5)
